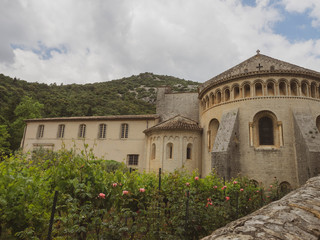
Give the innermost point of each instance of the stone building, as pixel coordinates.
(260, 119)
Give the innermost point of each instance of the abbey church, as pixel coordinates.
(260, 119)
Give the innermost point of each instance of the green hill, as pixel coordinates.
(131, 95)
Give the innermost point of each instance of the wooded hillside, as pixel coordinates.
(132, 95)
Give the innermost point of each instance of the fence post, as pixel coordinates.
(55, 199)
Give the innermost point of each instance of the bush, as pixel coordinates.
(101, 199)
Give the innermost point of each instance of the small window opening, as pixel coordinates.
(266, 131)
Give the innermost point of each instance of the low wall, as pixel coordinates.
(295, 216)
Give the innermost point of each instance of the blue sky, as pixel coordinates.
(84, 41)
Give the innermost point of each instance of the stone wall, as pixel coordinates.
(295, 216)
(307, 145)
(225, 153)
(172, 104)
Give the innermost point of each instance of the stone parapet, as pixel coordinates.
(295, 216)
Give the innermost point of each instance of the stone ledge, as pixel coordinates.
(295, 216)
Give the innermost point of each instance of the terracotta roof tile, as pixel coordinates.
(176, 123)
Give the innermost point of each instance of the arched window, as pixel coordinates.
(318, 123)
(246, 89)
(294, 88)
(218, 95)
(266, 131)
(313, 90)
(207, 102)
(258, 89)
(304, 89)
(212, 133)
(283, 88)
(270, 89)
(236, 92)
(189, 151)
(153, 151)
(212, 99)
(285, 188)
(169, 151)
(226, 95)
(82, 131)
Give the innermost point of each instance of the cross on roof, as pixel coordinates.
(259, 66)
(258, 51)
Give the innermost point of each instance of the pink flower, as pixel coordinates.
(257, 191)
(271, 186)
(227, 198)
(125, 192)
(215, 187)
(187, 184)
(241, 190)
(268, 196)
(196, 178)
(102, 195)
(114, 184)
(224, 187)
(249, 199)
(235, 182)
(142, 190)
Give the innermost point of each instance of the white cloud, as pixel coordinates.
(311, 7)
(104, 39)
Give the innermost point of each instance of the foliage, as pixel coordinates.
(96, 202)
(131, 95)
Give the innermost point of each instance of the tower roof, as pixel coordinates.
(258, 64)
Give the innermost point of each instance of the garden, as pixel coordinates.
(99, 199)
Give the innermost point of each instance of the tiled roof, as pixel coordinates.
(258, 64)
(95, 118)
(176, 123)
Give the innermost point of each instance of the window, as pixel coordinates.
(169, 151)
(218, 95)
(40, 131)
(318, 123)
(304, 89)
(270, 88)
(82, 131)
(102, 130)
(283, 88)
(313, 90)
(153, 151)
(266, 131)
(236, 92)
(259, 91)
(189, 151)
(124, 130)
(246, 90)
(226, 95)
(133, 159)
(294, 88)
(61, 128)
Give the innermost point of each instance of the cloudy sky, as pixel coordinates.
(85, 41)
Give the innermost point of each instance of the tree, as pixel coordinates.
(26, 109)
(4, 140)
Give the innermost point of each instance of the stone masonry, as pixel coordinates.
(295, 216)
